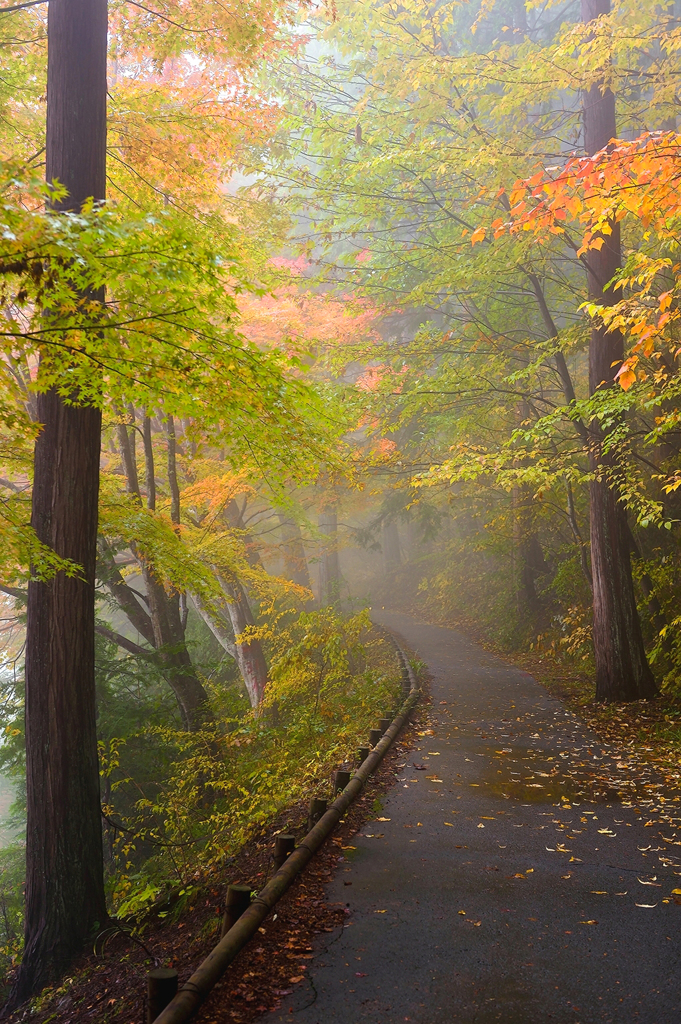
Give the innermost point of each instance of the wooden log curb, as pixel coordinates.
(182, 1007)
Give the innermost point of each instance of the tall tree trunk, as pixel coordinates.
(329, 563)
(65, 903)
(622, 670)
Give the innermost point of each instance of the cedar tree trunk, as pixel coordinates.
(622, 670)
(65, 902)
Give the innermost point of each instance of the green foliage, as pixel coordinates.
(179, 803)
(12, 872)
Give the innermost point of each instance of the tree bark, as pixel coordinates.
(622, 670)
(177, 666)
(172, 472)
(149, 464)
(250, 657)
(216, 622)
(65, 902)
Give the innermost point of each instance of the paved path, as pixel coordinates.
(485, 897)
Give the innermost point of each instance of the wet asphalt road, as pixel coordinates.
(495, 891)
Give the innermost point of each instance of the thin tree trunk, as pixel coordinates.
(169, 641)
(295, 562)
(65, 902)
(215, 620)
(622, 670)
(126, 444)
(149, 464)
(249, 656)
(172, 472)
(164, 625)
(530, 555)
(164, 607)
(329, 563)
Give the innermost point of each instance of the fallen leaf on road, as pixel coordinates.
(481, 825)
(647, 906)
(676, 892)
(588, 922)
(382, 819)
(656, 884)
(452, 826)
(598, 892)
(434, 778)
(463, 912)
(294, 981)
(576, 860)
(380, 911)
(358, 974)
(476, 924)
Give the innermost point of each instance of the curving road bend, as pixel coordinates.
(521, 872)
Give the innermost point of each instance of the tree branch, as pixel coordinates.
(122, 641)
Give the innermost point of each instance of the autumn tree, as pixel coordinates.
(65, 901)
(622, 670)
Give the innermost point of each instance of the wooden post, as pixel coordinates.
(374, 737)
(317, 810)
(238, 900)
(161, 988)
(363, 754)
(340, 780)
(384, 724)
(283, 847)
